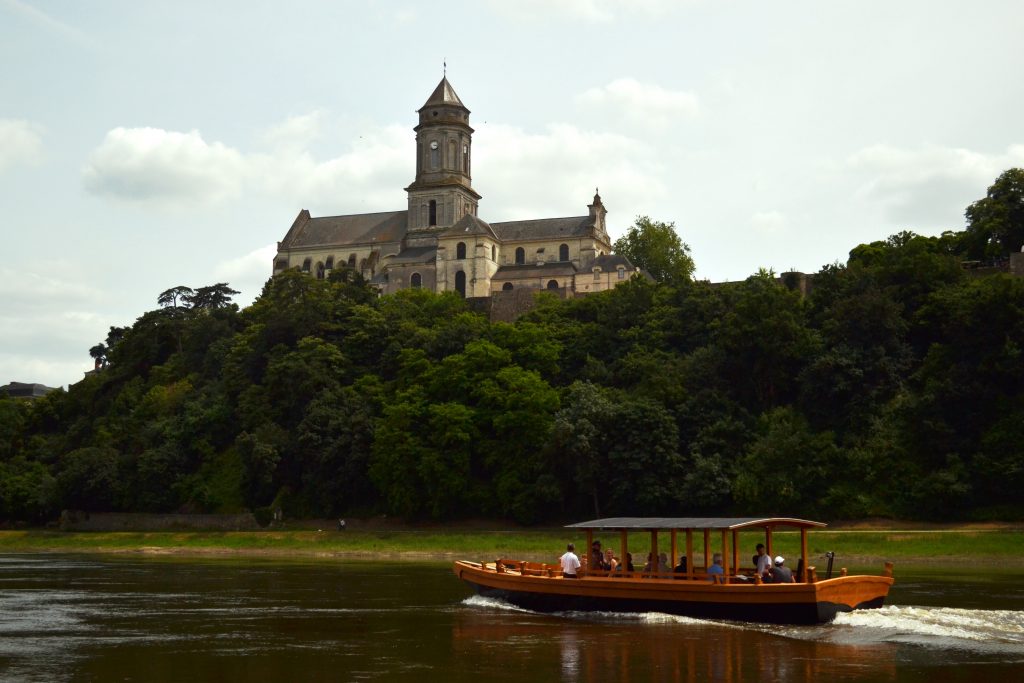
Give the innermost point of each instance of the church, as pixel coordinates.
(440, 243)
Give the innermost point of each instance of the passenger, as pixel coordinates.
(570, 563)
(663, 563)
(681, 567)
(596, 556)
(763, 561)
(628, 564)
(716, 568)
(780, 573)
(649, 565)
(610, 561)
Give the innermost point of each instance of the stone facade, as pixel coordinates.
(440, 243)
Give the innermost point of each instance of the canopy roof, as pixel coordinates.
(649, 523)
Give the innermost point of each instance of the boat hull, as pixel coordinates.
(786, 604)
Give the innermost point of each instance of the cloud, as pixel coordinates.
(368, 177)
(45, 21)
(247, 273)
(769, 222)
(643, 103)
(595, 11)
(928, 187)
(42, 332)
(554, 173)
(296, 133)
(144, 164)
(21, 142)
(23, 290)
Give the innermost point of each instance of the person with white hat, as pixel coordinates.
(781, 573)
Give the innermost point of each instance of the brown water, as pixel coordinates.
(76, 618)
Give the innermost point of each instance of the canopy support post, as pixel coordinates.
(725, 551)
(674, 563)
(803, 555)
(654, 551)
(707, 549)
(689, 553)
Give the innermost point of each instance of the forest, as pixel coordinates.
(893, 388)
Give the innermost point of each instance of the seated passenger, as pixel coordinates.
(716, 568)
(780, 573)
(610, 561)
(627, 565)
(681, 567)
(663, 563)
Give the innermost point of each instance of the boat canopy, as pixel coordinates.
(724, 523)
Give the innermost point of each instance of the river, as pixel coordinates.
(125, 618)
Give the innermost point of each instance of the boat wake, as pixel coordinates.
(942, 627)
(945, 628)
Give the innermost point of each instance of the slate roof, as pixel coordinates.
(612, 262)
(469, 225)
(528, 270)
(693, 523)
(25, 390)
(362, 228)
(543, 228)
(444, 93)
(414, 255)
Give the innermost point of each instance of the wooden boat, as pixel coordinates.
(738, 594)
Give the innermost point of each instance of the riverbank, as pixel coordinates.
(855, 547)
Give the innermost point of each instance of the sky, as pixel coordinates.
(145, 145)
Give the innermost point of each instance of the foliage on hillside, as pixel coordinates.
(895, 388)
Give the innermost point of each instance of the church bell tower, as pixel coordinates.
(442, 192)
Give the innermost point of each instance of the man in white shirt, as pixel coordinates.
(570, 563)
(764, 561)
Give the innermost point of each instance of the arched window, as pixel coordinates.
(281, 264)
(460, 283)
(452, 159)
(563, 252)
(416, 281)
(460, 250)
(330, 263)
(622, 273)
(351, 260)
(520, 255)
(552, 284)
(507, 287)
(465, 158)
(494, 253)
(433, 212)
(319, 270)
(306, 265)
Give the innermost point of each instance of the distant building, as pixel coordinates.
(23, 390)
(440, 243)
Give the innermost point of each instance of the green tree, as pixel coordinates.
(655, 247)
(169, 298)
(995, 224)
(211, 297)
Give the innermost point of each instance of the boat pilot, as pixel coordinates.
(570, 563)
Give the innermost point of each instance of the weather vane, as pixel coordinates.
(444, 71)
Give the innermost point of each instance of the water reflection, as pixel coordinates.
(595, 648)
(101, 619)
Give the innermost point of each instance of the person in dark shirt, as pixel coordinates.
(781, 573)
(596, 556)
